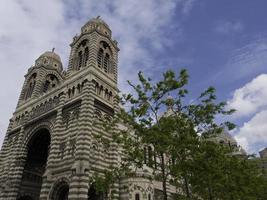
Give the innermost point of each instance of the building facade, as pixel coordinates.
(51, 149)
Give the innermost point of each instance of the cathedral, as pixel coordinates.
(51, 149)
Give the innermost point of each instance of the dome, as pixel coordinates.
(97, 24)
(226, 138)
(97, 20)
(51, 54)
(51, 59)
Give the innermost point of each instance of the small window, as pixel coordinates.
(150, 156)
(30, 86)
(106, 63)
(80, 58)
(137, 196)
(86, 55)
(46, 86)
(100, 58)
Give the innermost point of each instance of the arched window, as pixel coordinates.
(106, 63)
(86, 55)
(149, 196)
(150, 156)
(106, 94)
(30, 86)
(96, 87)
(82, 55)
(100, 92)
(137, 196)
(51, 81)
(80, 59)
(110, 96)
(104, 57)
(100, 58)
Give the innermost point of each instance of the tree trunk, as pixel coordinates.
(187, 190)
(164, 178)
(210, 193)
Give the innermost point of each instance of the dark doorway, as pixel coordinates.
(93, 194)
(34, 168)
(25, 198)
(62, 192)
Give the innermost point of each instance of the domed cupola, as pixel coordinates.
(97, 24)
(50, 59)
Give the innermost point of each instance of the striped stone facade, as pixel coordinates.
(52, 149)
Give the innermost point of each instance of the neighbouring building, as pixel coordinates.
(51, 149)
(263, 160)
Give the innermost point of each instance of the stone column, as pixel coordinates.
(79, 183)
(16, 167)
(53, 152)
(114, 189)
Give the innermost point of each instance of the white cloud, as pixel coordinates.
(250, 101)
(229, 27)
(253, 134)
(28, 28)
(188, 6)
(251, 98)
(248, 60)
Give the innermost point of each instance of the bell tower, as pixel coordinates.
(54, 145)
(94, 48)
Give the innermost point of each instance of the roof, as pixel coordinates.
(51, 54)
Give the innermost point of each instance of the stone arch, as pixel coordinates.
(81, 53)
(52, 72)
(60, 189)
(112, 49)
(50, 81)
(43, 125)
(30, 85)
(136, 189)
(80, 42)
(36, 150)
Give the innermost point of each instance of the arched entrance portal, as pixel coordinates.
(34, 168)
(25, 198)
(61, 191)
(93, 194)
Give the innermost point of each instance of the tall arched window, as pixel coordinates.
(30, 86)
(106, 63)
(86, 55)
(100, 57)
(82, 55)
(110, 96)
(150, 156)
(106, 94)
(80, 59)
(137, 196)
(101, 90)
(104, 57)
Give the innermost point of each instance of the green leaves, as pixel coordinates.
(181, 135)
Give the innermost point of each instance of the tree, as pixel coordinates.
(172, 135)
(182, 136)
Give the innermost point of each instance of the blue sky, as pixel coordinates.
(220, 43)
